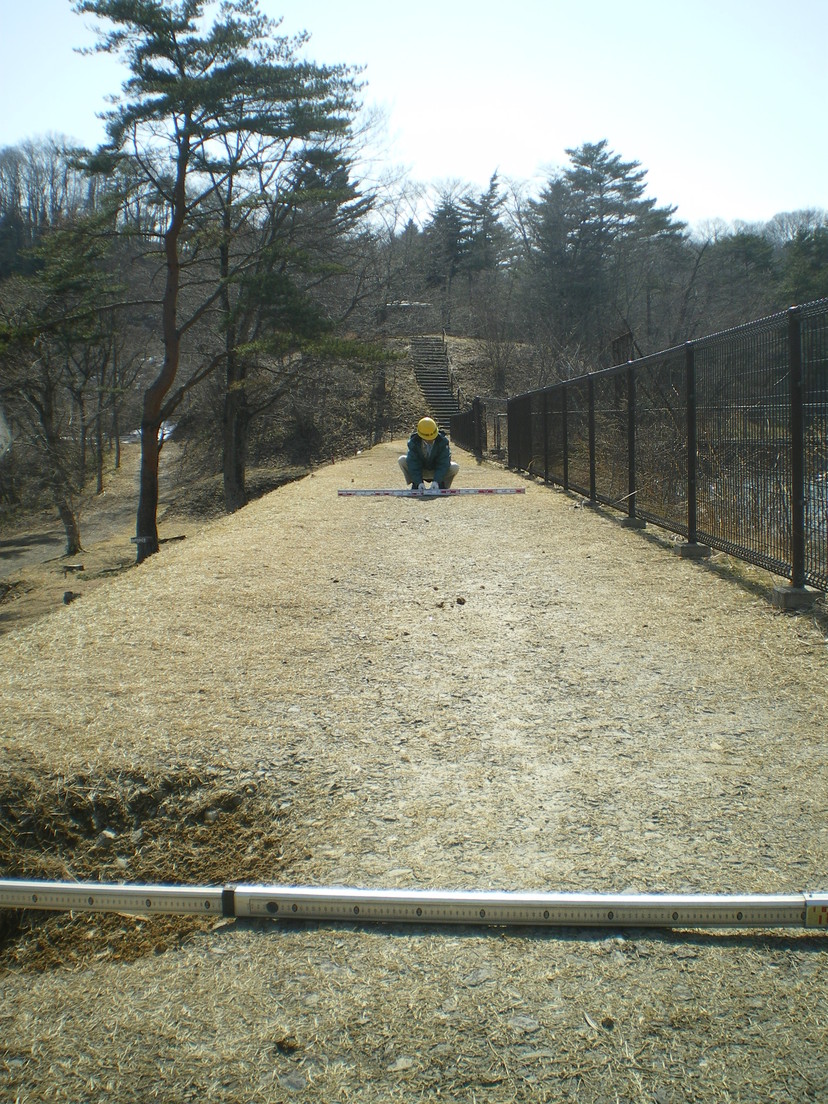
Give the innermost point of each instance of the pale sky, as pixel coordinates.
(721, 101)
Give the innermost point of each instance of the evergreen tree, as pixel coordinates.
(486, 240)
(591, 230)
(446, 242)
(444, 245)
(805, 266)
(211, 118)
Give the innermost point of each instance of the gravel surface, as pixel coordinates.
(506, 692)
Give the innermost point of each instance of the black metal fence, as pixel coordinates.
(723, 440)
(482, 428)
(468, 429)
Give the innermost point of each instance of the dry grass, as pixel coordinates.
(295, 694)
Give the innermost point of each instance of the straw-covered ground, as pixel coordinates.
(504, 692)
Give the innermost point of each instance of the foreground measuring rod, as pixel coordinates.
(427, 906)
(448, 491)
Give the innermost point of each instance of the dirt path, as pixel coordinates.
(507, 692)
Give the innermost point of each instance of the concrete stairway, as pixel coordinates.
(430, 360)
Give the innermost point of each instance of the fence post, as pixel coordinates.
(796, 596)
(692, 550)
(692, 443)
(631, 440)
(545, 436)
(479, 443)
(797, 449)
(631, 521)
(565, 435)
(591, 399)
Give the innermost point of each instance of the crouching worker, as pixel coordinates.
(428, 465)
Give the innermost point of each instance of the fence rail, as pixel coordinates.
(723, 440)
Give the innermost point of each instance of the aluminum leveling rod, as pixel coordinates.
(427, 906)
(432, 494)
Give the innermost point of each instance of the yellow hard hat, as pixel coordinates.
(427, 429)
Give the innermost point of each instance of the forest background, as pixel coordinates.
(221, 266)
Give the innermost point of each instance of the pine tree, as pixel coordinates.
(209, 120)
(591, 229)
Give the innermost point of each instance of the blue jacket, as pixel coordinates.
(438, 462)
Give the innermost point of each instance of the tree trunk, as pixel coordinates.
(82, 443)
(116, 421)
(99, 486)
(61, 484)
(236, 414)
(116, 434)
(70, 525)
(236, 428)
(146, 527)
(379, 400)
